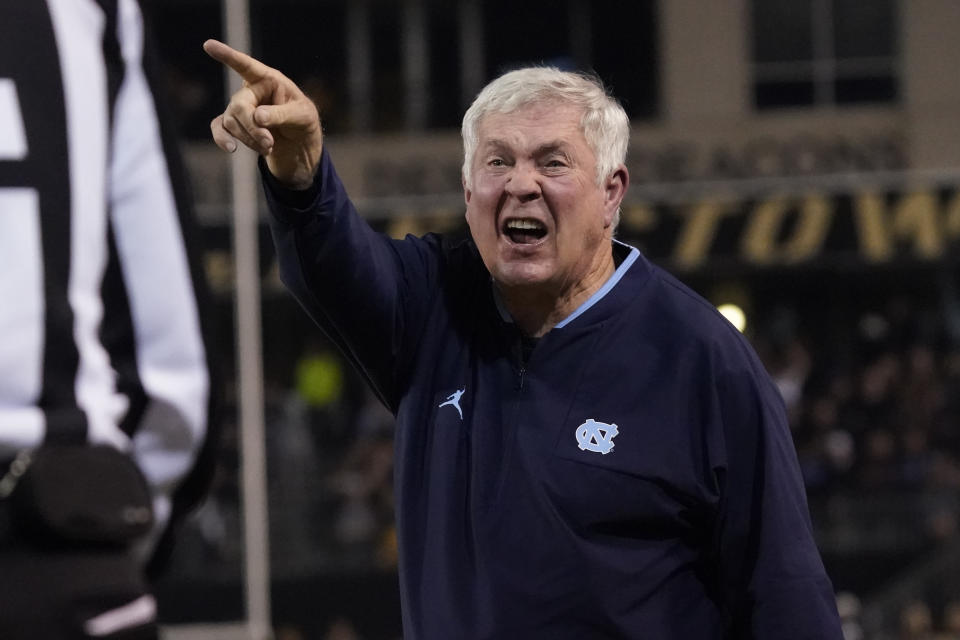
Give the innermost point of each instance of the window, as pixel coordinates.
(624, 53)
(377, 66)
(194, 84)
(307, 41)
(824, 52)
(617, 40)
(444, 53)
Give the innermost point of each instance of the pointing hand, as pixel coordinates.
(271, 115)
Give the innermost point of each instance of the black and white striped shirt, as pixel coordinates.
(100, 328)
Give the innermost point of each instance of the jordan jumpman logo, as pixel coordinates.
(454, 400)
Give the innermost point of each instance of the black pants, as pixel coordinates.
(70, 592)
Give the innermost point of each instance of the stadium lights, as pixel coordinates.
(734, 314)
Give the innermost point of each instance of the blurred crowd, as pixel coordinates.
(872, 405)
(873, 398)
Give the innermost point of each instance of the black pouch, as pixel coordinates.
(88, 494)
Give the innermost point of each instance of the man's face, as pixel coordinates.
(534, 209)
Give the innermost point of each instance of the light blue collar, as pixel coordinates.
(589, 302)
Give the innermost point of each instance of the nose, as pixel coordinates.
(523, 183)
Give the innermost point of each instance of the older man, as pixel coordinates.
(584, 447)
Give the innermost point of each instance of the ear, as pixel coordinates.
(614, 189)
(467, 193)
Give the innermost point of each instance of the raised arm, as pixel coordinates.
(271, 115)
(367, 292)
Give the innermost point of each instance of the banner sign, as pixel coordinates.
(866, 227)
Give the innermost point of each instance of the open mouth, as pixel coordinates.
(524, 230)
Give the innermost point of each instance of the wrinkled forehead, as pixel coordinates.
(547, 108)
(532, 122)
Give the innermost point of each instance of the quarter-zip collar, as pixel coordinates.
(606, 300)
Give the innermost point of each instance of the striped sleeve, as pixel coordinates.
(160, 356)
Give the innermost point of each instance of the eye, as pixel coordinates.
(496, 162)
(556, 162)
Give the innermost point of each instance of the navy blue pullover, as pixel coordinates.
(634, 477)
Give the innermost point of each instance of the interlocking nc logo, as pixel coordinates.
(596, 436)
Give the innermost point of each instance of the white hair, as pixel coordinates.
(604, 123)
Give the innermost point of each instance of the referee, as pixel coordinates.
(102, 341)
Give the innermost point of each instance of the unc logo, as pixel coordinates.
(596, 436)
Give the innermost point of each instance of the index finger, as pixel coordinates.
(250, 69)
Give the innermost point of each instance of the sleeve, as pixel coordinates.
(367, 292)
(771, 575)
(153, 292)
